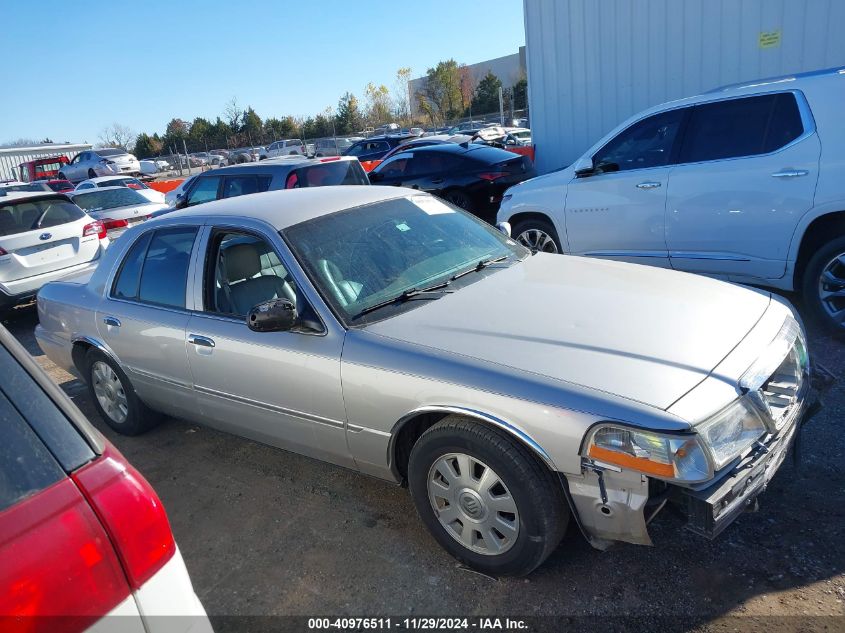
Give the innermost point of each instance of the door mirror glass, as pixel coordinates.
(276, 315)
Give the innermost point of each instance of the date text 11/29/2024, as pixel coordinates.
(418, 624)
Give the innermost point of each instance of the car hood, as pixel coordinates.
(642, 333)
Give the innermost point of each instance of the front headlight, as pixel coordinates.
(731, 431)
(670, 457)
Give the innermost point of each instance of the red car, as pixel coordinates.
(83, 536)
(42, 168)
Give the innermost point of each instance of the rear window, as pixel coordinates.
(489, 155)
(26, 466)
(132, 183)
(32, 186)
(110, 152)
(60, 186)
(29, 216)
(339, 172)
(108, 199)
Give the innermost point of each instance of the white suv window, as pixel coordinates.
(647, 143)
(741, 127)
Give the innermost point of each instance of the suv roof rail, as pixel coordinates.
(836, 70)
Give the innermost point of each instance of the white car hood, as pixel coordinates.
(639, 332)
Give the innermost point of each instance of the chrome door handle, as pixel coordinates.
(790, 173)
(201, 341)
(648, 185)
(111, 321)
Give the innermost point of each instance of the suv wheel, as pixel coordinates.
(538, 235)
(459, 199)
(485, 497)
(823, 286)
(114, 398)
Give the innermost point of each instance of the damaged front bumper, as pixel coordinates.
(611, 504)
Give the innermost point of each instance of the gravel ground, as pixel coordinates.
(265, 532)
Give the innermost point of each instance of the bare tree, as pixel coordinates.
(117, 135)
(234, 114)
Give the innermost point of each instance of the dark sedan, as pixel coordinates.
(471, 176)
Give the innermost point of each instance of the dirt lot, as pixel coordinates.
(264, 532)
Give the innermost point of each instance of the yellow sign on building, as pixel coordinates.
(769, 39)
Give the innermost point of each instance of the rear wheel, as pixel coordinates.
(485, 498)
(92, 173)
(538, 235)
(114, 398)
(823, 286)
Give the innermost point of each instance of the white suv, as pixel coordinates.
(288, 147)
(745, 183)
(43, 237)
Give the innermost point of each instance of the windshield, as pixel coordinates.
(108, 199)
(364, 256)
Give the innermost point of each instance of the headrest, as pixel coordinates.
(241, 261)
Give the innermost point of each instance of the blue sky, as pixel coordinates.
(72, 68)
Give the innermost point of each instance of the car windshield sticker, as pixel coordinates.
(403, 227)
(431, 206)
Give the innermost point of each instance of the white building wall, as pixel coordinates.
(591, 64)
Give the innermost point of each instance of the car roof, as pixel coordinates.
(286, 207)
(19, 195)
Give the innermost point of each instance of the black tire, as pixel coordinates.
(92, 173)
(139, 417)
(459, 199)
(811, 286)
(542, 510)
(524, 230)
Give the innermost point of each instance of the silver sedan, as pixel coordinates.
(391, 333)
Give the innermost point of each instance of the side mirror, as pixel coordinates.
(276, 315)
(504, 227)
(181, 201)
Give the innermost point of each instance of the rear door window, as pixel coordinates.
(164, 276)
(741, 127)
(129, 277)
(341, 172)
(205, 190)
(242, 185)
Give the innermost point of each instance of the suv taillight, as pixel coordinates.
(94, 228)
(492, 175)
(131, 513)
(110, 224)
(3, 251)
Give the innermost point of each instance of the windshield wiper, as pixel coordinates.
(410, 293)
(481, 265)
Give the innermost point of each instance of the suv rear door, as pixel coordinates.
(747, 172)
(43, 235)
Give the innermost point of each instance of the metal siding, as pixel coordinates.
(593, 64)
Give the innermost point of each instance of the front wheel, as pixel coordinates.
(538, 235)
(823, 285)
(92, 173)
(485, 497)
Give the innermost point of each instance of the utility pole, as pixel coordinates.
(501, 107)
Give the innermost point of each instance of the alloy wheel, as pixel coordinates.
(473, 504)
(832, 289)
(537, 240)
(110, 392)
